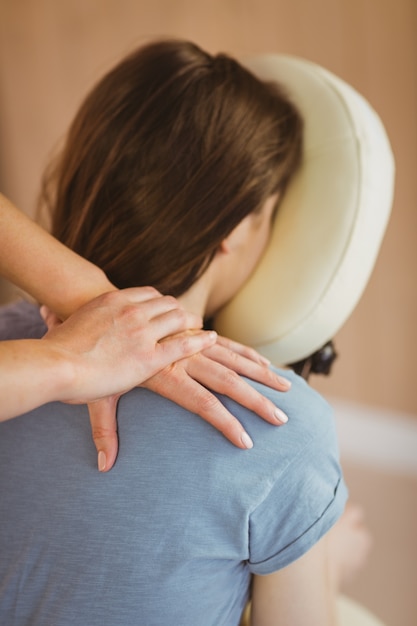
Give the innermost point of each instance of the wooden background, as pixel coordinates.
(51, 53)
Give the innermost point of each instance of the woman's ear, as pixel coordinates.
(238, 236)
(225, 246)
(228, 244)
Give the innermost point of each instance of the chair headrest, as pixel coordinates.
(329, 226)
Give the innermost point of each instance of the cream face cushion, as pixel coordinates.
(329, 226)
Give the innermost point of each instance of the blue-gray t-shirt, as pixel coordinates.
(172, 534)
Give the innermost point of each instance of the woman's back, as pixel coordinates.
(190, 519)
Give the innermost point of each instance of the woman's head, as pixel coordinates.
(167, 155)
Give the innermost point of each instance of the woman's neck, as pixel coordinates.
(196, 299)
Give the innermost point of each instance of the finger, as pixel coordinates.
(44, 312)
(104, 430)
(162, 316)
(150, 296)
(246, 351)
(51, 319)
(139, 294)
(175, 348)
(246, 367)
(152, 307)
(173, 322)
(178, 386)
(223, 380)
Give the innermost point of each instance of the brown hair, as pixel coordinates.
(168, 153)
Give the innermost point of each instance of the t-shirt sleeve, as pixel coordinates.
(21, 320)
(300, 507)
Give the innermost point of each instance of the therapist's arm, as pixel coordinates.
(43, 267)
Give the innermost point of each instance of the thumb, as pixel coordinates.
(49, 317)
(104, 430)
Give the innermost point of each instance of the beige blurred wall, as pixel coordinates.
(51, 53)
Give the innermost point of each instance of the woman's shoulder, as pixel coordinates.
(301, 492)
(301, 393)
(310, 417)
(21, 320)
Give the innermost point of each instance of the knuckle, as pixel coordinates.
(208, 403)
(234, 360)
(132, 313)
(186, 343)
(232, 357)
(172, 374)
(101, 432)
(110, 297)
(151, 291)
(175, 371)
(231, 379)
(170, 300)
(180, 315)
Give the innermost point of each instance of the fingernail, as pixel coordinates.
(280, 416)
(247, 441)
(213, 335)
(101, 459)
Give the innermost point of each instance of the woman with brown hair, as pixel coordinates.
(116, 340)
(171, 175)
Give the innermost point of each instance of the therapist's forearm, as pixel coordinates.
(32, 372)
(43, 267)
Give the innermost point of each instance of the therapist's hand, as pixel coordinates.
(184, 379)
(187, 382)
(112, 344)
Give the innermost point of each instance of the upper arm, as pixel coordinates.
(301, 593)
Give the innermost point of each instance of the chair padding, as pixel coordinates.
(329, 226)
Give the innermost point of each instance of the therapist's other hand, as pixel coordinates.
(187, 382)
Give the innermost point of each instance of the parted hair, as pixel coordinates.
(167, 154)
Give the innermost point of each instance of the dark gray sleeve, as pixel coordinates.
(21, 320)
